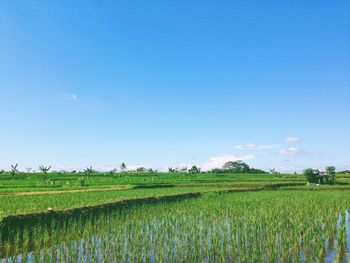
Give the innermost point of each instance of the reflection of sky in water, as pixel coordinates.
(95, 244)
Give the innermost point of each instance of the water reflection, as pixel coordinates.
(142, 234)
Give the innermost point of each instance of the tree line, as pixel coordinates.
(313, 176)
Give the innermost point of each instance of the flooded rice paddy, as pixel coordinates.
(266, 226)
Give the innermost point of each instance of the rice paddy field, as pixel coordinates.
(173, 218)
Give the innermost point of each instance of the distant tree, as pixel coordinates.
(236, 167)
(44, 170)
(256, 171)
(330, 171)
(216, 170)
(123, 167)
(194, 170)
(89, 170)
(171, 170)
(111, 172)
(312, 175)
(140, 169)
(28, 170)
(14, 170)
(1, 172)
(183, 169)
(273, 171)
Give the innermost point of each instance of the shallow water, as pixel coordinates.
(144, 234)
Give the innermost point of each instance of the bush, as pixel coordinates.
(83, 181)
(312, 175)
(194, 170)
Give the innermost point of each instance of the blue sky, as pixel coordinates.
(172, 83)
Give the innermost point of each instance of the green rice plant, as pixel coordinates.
(264, 226)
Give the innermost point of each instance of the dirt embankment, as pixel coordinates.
(114, 188)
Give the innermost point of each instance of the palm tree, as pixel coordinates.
(171, 170)
(123, 167)
(44, 170)
(14, 170)
(89, 170)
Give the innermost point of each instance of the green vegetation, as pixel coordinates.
(27, 192)
(330, 171)
(237, 167)
(271, 226)
(22, 204)
(44, 170)
(240, 217)
(14, 170)
(316, 177)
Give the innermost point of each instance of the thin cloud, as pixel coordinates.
(289, 169)
(292, 139)
(254, 146)
(290, 151)
(219, 161)
(71, 96)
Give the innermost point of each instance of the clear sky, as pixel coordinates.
(172, 83)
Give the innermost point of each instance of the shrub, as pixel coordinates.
(194, 170)
(312, 175)
(83, 181)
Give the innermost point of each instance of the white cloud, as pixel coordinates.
(290, 151)
(219, 161)
(254, 146)
(100, 168)
(289, 169)
(292, 139)
(70, 96)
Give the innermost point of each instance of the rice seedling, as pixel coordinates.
(265, 226)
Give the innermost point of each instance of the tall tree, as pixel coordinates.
(123, 167)
(14, 170)
(236, 167)
(330, 170)
(312, 175)
(194, 170)
(44, 170)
